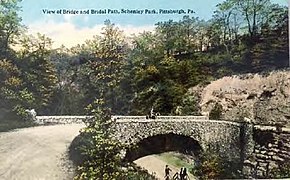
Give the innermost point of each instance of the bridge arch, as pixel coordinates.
(160, 143)
(222, 137)
(225, 138)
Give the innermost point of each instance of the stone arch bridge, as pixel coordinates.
(257, 147)
(180, 133)
(189, 134)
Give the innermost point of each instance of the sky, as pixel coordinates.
(59, 21)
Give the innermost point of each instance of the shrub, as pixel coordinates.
(212, 166)
(216, 112)
(282, 171)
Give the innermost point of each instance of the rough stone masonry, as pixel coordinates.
(269, 149)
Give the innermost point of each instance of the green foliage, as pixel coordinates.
(15, 97)
(176, 159)
(68, 96)
(67, 100)
(102, 152)
(161, 82)
(133, 172)
(216, 112)
(100, 66)
(156, 70)
(28, 81)
(189, 105)
(211, 166)
(34, 59)
(10, 122)
(10, 26)
(282, 171)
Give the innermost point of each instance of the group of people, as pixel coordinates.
(182, 175)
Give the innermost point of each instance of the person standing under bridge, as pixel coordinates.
(183, 174)
(167, 172)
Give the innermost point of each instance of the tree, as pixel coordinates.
(102, 152)
(14, 96)
(226, 21)
(212, 166)
(189, 30)
(38, 72)
(216, 112)
(272, 49)
(103, 69)
(189, 105)
(255, 13)
(167, 33)
(9, 26)
(68, 96)
(160, 80)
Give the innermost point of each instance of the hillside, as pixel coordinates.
(264, 98)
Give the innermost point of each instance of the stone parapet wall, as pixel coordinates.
(176, 118)
(271, 148)
(119, 119)
(61, 119)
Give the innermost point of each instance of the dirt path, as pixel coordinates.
(156, 166)
(40, 153)
(37, 153)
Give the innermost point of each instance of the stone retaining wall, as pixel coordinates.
(271, 148)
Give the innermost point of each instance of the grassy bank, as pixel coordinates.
(8, 124)
(175, 159)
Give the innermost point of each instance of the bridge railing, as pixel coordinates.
(136, 118)
(61, 119)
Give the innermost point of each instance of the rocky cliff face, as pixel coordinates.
(265, 99)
